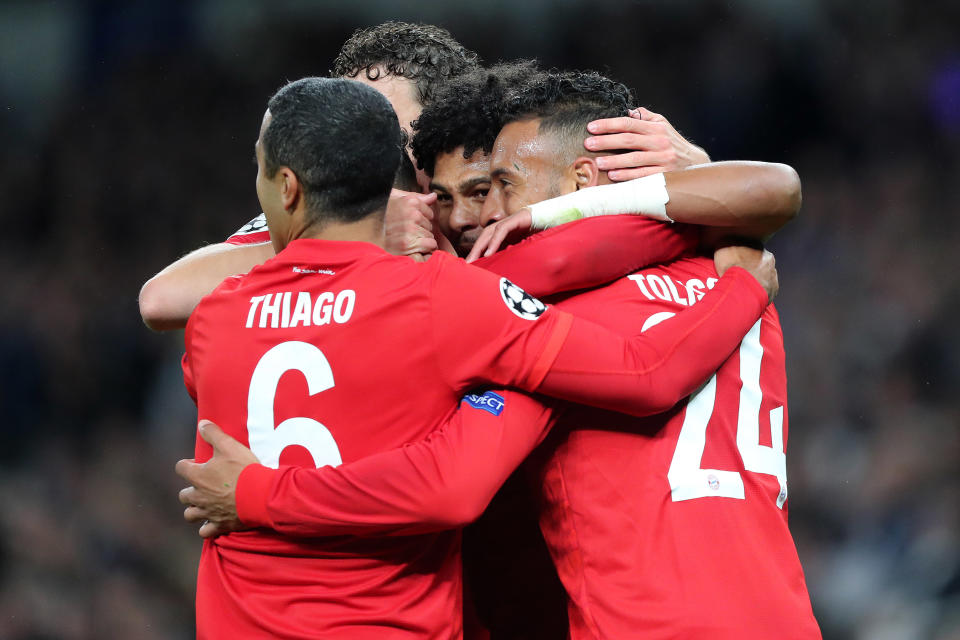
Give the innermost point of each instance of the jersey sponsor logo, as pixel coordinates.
(256, 225)
(327, 272)
(490, 402)
(520, 302)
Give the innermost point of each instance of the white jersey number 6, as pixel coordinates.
(268, 441)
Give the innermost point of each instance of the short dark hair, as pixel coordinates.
(468, 112)
(424, 53)
(565, 102)
(341, 139)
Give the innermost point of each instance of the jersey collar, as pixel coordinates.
(313, 250)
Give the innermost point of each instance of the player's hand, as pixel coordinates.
(212, 498)
(759, 262)
(655, 146)
(443, 242)
(503, 231)
(408, 225)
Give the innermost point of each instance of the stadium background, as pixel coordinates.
(128, 130)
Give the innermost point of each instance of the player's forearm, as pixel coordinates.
(743, 199)
(168, 298)
(588, 253)
(650, 373)
(443, 482)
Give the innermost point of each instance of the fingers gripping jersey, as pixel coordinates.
(675, 526)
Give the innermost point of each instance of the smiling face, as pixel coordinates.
(461, 185)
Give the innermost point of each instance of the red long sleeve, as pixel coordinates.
(443, 482)
(590, 252)
(650, 373)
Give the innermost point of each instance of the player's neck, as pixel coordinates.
(368, 229)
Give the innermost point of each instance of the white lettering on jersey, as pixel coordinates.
(274, 310)
(655, 287)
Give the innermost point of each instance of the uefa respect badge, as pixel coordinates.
(490, 402)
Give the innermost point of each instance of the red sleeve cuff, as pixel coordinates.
(253, 489)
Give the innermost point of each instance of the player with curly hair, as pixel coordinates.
(425, 54)
(457, 131)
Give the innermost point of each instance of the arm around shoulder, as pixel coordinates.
(167, 299)
(442, 482)
(738, 199)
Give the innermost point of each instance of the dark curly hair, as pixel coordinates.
(467, 112)
(565, 102)
(424, 53)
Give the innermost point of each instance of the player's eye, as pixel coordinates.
(444, 197)
(481, 194)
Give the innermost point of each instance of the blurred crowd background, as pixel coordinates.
(128, 131)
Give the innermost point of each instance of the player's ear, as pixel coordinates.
(290, 188)
(585, 171)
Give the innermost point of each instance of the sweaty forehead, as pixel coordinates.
(519, 145)
(452, 171)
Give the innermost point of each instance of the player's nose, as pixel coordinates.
(465, 217)
(493, 209)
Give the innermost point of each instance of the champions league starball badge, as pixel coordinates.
(520, 302)
(257, 224)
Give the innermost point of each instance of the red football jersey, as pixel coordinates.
(675, 526)
(327, 353)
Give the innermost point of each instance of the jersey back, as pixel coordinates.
(675, 526)
(325, 354)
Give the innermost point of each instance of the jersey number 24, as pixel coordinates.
(687, 479)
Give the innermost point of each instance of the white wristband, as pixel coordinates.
(645, 196)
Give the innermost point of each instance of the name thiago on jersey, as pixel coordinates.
(282, 311)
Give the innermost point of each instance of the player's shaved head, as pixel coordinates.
(564, 103)
(425, 54)
(341, 139)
